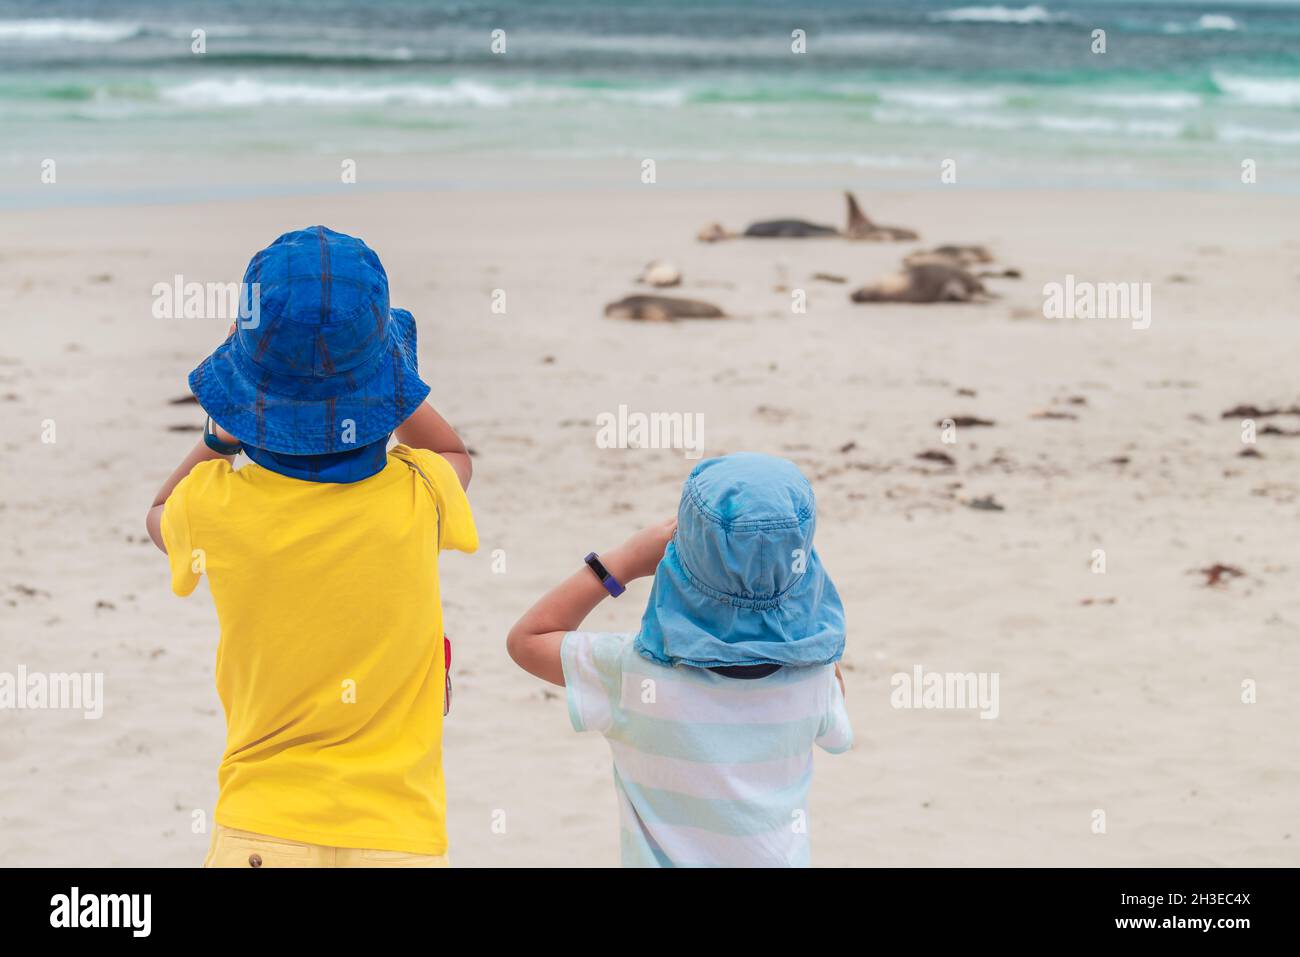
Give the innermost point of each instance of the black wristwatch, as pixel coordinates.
(215, 444)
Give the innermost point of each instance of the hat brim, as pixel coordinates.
(366, 412)
(685, 625)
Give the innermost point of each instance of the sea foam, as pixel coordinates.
(81, 31)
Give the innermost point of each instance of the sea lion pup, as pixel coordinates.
(662, 309)
(860, 227)
(929, 282)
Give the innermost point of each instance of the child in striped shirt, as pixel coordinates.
(712, 707)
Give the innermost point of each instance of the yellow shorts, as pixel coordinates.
(232, 848)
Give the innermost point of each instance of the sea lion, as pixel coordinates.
(662, 309)
(929, 282)
(788, 229)
(857, 226)
(963, 257)
(860, 227)
(768, 229)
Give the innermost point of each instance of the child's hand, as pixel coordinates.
(536, 639)
(426, 429)
(639, 556)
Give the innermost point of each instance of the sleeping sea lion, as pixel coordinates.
(768, 229)
(963, 257)
(662, 309)
(929, 282)
(858, 226)
(788, 229)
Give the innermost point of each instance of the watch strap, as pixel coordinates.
(612, 584)
(215, 444)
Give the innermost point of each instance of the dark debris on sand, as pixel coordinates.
(1257, 412)
(1052, 414)
(935, 456)
(965, 421)
(1219, 574)
(986, 503)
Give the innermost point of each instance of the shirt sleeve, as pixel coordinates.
(836, 734)
(456, 530)
(593, 678)
(187, 562)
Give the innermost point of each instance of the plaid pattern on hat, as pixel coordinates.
(321, 363)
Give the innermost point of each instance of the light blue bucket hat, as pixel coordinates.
(740, 583)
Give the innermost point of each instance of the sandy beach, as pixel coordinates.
(1120, 691)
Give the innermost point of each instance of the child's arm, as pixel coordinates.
(200, 453)
(534, 641)
(426, 429)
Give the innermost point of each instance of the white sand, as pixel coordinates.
(1132, 707)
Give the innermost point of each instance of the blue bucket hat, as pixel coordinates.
(318, 363)
(740, 583)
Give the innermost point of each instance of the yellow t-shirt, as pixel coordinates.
(330, 665)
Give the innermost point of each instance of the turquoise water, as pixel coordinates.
(1011, 91)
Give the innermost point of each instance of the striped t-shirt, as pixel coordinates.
(709, 770)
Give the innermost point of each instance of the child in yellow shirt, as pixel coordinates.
(321, 554)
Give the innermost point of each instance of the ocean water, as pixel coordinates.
(1012, 92)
